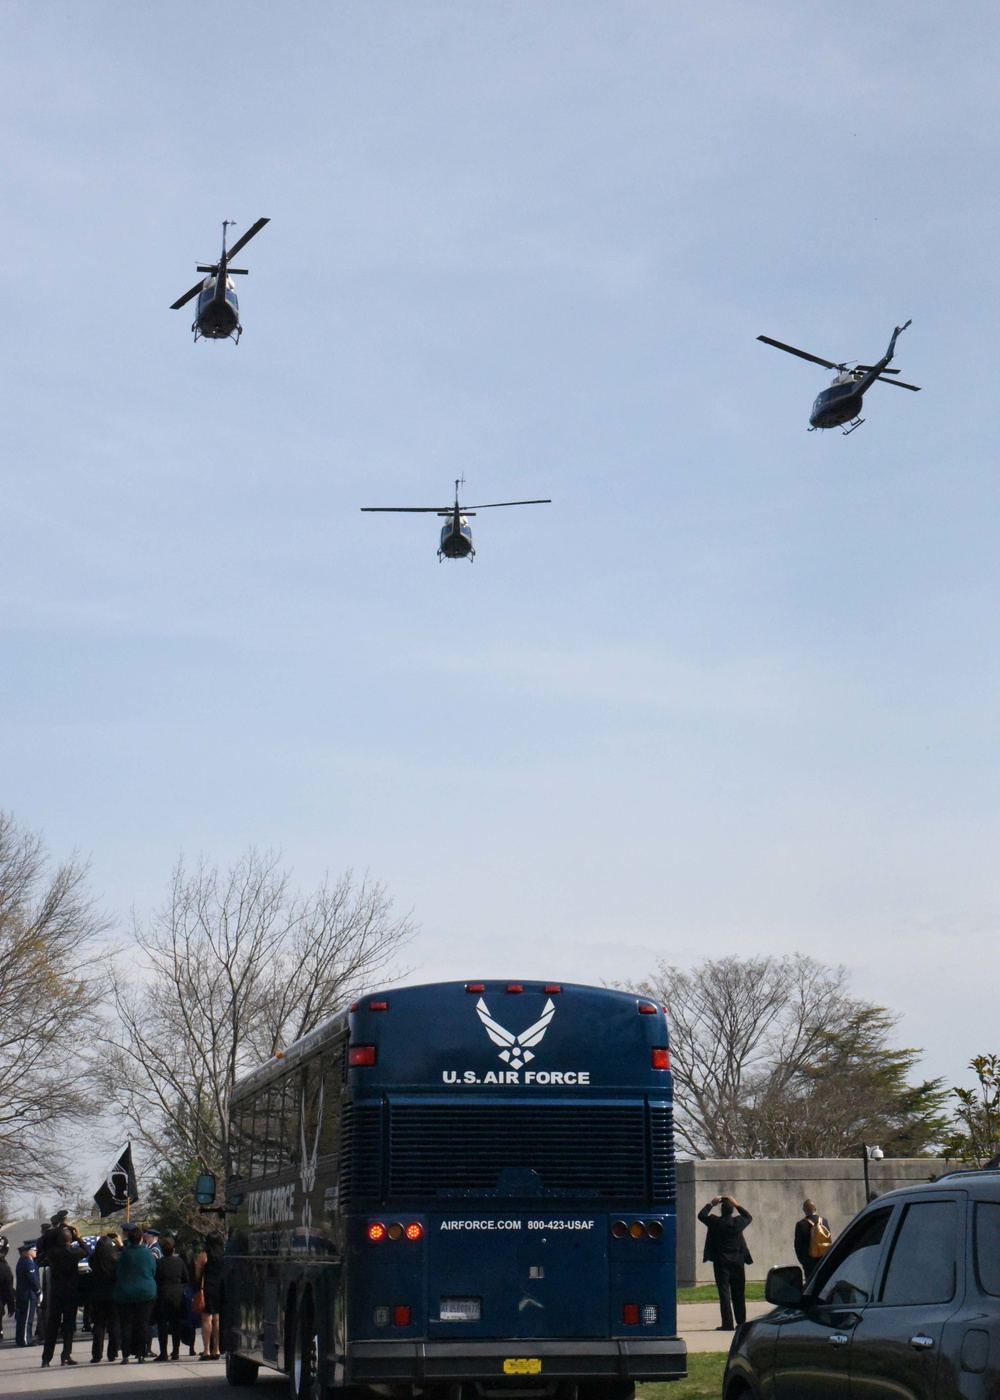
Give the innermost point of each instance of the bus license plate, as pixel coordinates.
(522, 1366)
(461, 1309)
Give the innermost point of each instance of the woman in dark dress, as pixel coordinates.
(171, 1278)
(208, 1278)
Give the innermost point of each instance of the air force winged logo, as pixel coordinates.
(308, 1162)
(516, 1048)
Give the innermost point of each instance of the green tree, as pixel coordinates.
(975, 1136)
(170, 1205)
(854, 1088)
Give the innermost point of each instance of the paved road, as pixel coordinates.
(17, 1231)
(21, 1372)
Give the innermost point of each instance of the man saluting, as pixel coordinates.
(727, 1250)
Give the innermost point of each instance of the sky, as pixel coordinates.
(735, 691)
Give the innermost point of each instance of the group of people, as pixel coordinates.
(727, 1251)
(138, 1288)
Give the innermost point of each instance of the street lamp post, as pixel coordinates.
(870, 1154)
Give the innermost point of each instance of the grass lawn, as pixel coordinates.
(704, 1380)
(708, 1293)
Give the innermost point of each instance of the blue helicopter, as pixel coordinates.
(218, 314)
(842, 401)
(456, 536)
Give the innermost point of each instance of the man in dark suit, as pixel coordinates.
(727, 1250)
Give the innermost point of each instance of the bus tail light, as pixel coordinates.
(661, 1057)
(365, 1055)
(619, 1229)
(630, 1314)
(395, 1231)
(637, 1229)
(414, 1230)
(646, 1009)
(654, 1230)
(376, 1231)
(401, 1315)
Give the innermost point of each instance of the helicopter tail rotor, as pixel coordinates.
(892, 343)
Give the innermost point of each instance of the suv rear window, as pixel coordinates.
(922, 1264)
(988, 1246)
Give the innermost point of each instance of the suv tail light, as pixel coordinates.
(365, 1055)
(661, 1057)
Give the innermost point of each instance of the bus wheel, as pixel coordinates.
(239, 1371)
(305, 1364)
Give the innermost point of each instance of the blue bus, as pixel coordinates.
(463, 1185)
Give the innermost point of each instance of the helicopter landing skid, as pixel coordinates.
(855, 423)
(199, 334)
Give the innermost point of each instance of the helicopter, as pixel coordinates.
(456, 537)
(842, 401)
(218, 313)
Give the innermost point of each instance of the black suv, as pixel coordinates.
(904, 1306)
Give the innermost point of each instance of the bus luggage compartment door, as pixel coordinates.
(527, 1276)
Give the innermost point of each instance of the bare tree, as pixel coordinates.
(48, 928)
(233, 968)
(772, 1057)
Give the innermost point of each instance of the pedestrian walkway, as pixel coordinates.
(21, 1374)
(697, 1323)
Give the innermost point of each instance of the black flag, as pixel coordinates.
(119, 1188)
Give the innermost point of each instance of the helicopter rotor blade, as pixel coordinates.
(491, 505)
(242, 242)
(885, 371)
(182, 301)
(802, 354)
(898, 384)
(415, 510)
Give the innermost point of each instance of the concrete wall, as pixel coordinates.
(773, 1192)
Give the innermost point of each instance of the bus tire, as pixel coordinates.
(240, 1371)
(305, 1361)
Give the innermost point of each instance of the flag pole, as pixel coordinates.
(128, 1193)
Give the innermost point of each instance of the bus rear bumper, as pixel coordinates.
(655, 1359)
